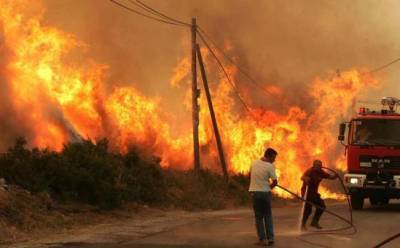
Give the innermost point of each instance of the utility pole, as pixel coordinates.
(195, 96)
(212, 113)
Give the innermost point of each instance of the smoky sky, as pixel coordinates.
(285, 43)
(280, 43)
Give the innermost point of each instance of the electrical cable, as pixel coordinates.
(202, 33)
(384, 66)
(144, 15)
(158, 13)
(246, 74)
(242, 71)
(180, 23)
(226, 75)
(144, 8)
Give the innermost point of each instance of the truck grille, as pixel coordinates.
(380, 162)
(375, 177)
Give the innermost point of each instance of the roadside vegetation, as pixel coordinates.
(87, 175)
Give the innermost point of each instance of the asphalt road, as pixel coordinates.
(236, 229)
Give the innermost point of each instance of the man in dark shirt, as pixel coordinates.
(311, 180)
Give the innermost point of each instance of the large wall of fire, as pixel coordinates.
(53, 91)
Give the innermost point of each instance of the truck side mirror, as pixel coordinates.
(342, 130)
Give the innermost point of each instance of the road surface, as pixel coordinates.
(236, 229)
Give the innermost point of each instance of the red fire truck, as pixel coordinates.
(373, 154)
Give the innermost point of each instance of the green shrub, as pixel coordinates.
(31, 169)
(87, 172)
(143, 179)
(83, 172)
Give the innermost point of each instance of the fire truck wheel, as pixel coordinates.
(357, 201)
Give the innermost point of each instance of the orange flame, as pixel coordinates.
(63, 99)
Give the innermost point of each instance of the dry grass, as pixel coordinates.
(24, 215)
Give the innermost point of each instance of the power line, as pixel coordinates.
(226, 75)
(150, 10)
(159, 14)
(245, 73)
(172, 21)
(145, 15)
(384, 66)
(156, 12)
(180, 23)
(140, 6)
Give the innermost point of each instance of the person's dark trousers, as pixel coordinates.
(263, 215)
(308, 209)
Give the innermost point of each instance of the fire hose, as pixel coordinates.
(330, 231)
(390, 239)
(337, 230)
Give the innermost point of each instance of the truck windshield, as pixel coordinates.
(376, 132)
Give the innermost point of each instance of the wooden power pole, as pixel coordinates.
(195, 96)
(212, 113)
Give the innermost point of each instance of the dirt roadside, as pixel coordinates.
(136, 226)
(129, 223)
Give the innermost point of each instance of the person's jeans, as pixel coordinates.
(263, 215)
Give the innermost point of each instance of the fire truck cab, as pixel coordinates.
(373, 154)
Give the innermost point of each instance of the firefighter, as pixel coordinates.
(311, 180)
(262, 180)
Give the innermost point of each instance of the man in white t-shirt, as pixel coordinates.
(262, 180)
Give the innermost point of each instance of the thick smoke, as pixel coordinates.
(284, 44)
(56, 115)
